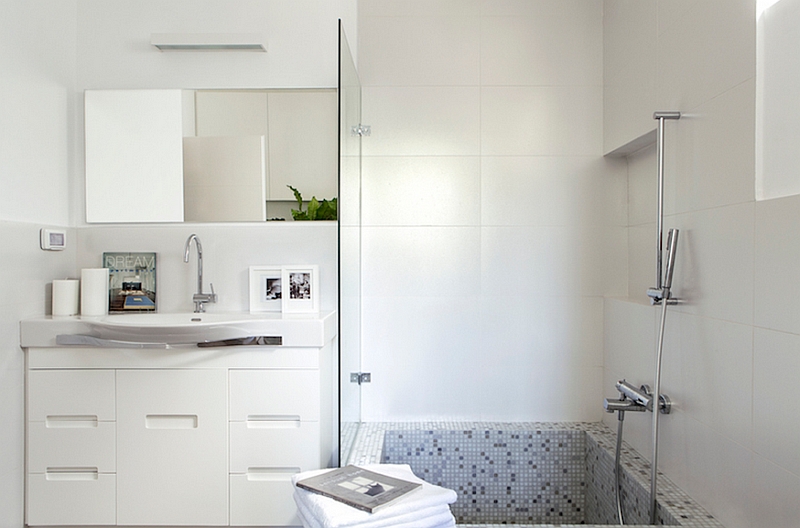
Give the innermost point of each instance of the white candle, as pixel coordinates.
(65, 297)
(94, 291)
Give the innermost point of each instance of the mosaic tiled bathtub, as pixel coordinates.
(527, 473)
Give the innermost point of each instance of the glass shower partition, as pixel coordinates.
(349, 248)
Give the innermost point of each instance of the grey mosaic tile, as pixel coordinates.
(527, 473)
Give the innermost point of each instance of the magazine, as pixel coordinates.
(359, 488)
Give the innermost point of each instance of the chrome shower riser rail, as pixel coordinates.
(653, 293)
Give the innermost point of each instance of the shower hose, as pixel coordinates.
(618, 468)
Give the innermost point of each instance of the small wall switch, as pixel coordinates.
(52, 239)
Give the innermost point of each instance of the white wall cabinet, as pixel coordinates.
(200, 437)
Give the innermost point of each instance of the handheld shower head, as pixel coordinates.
(672, 246)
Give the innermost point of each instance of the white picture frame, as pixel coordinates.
(265, 289)
(300, 289)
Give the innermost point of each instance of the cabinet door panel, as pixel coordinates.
(172, 467)
(87, 394)
(274, 393)
(71, 499)
(263, 500)
(81, 446)
(267, 447)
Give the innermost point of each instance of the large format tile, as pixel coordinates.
(706, 50)
(422, 121)
(422, 353)
(719, 475)
(553, 260)
(774, 501)
(717, 372)
(777, 292)
(713, 158)
(548, 190)
(396, 50)
(560, 43)
(384, 8)
(421, 190)
(541, 120)
(421, 261)
(714, 262)
(776, 397)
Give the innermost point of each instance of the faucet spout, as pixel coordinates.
(198, 298)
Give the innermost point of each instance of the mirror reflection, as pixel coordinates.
(208, 155)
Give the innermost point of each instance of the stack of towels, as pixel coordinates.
(424, 508)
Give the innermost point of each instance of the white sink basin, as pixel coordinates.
(184, 329)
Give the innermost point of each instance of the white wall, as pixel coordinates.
(493, 227)
(37, 58)
(732, 351)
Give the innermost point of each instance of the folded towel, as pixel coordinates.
(431, 518)
(411, 510)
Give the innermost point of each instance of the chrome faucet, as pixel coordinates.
(199, 298)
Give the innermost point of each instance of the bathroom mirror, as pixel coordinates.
(207, 155)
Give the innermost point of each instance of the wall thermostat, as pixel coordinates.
(52, 239)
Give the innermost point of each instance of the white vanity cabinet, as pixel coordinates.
(183, 436)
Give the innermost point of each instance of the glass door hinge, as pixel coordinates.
(361, 130)
(360, 377)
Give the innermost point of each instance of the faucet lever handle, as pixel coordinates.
(213, 296)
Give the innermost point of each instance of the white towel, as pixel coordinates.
(439, 517)
(411, 511)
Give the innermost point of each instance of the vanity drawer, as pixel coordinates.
(71, 393)
(264, 499)
(79, 498)
(72, 444)
(274, 393)
(269, 445)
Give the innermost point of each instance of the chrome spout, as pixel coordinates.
(199, 298)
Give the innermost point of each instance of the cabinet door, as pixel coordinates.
(172, 466)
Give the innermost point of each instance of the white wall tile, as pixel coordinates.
(421, 352)
(554, 44)
(420, 262)
(776, 397)
(421, 190)
(642, 187)
(420, 50)
(641, 260)
(720, 476)
(777, 288)
(712, 160)
(714, 263)
(422, 121)
(548, 190)
(718, 376)
(541, 121)
(774, 500)
(705, 51)
(376, 8)
(629, 70)
(553, 260)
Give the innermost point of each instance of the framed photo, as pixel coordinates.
(301, 289)
(265, 289)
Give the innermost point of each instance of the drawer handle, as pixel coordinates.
(71, 473)
(71, 422)
(171, 421)
(270, 474)
(273, 421)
